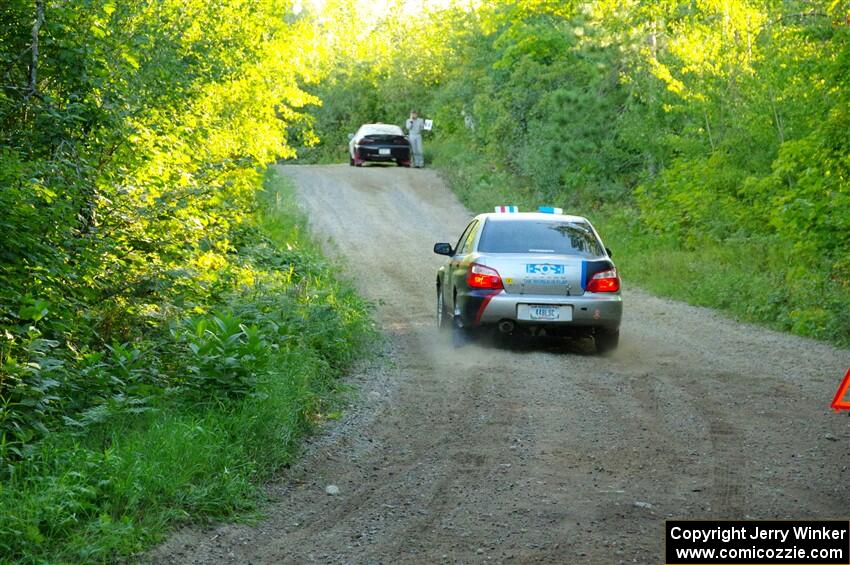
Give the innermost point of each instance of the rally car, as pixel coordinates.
(378, 142)
(543, 273)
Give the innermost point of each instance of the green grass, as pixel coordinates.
(118, 486)
(756, 280)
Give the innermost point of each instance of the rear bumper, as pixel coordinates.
(373, 153)
(589, 310)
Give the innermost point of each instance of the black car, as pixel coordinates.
(378, 142)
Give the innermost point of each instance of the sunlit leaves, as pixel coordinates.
(128, 172)
(715, 119)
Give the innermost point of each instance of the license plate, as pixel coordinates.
(545, 312)
(384, 151)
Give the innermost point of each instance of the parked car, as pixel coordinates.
(378, 142)
(543, 273)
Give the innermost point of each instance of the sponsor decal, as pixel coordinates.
(484, 304)
(544, 269)
(545, 282)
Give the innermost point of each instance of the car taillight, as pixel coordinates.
(480, 276)
(366, 140)
(399, 140)
(606, 281)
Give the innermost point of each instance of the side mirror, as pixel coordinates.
(350, 136)
(608, 251)
(443, 249)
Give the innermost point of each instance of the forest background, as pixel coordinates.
(709, 139)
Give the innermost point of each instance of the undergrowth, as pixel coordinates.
(202, 409)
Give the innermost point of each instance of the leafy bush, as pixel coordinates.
(182, 426)
(226, 357)
(131, 136)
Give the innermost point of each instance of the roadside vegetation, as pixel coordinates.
(186, 420)
(167, 331)
(708, 140)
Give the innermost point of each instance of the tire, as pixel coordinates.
(460, 335)
(350, 160)
(444, 322)
(606, 340)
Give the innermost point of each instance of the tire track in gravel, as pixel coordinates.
(533, 452)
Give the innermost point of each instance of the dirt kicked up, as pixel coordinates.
(543, 452)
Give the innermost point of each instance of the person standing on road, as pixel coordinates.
(415, 126)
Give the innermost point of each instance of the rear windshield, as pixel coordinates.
(525, 236)
(382, 130)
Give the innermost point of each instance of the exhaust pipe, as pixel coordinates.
(506, 326)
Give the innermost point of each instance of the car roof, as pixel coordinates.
(531, 216)
(390, 129)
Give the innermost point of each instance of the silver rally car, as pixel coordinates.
(541, 273)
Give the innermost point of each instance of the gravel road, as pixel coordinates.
(538, 453)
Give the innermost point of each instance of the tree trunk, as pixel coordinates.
(36, 27)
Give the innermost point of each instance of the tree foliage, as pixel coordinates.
(706, 122)
(130, 139)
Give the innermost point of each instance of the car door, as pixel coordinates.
(447, 285)
(460, 261)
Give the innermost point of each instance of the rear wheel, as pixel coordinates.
(607, 340)
(350, 160)
(460, 335)
(444, 322)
